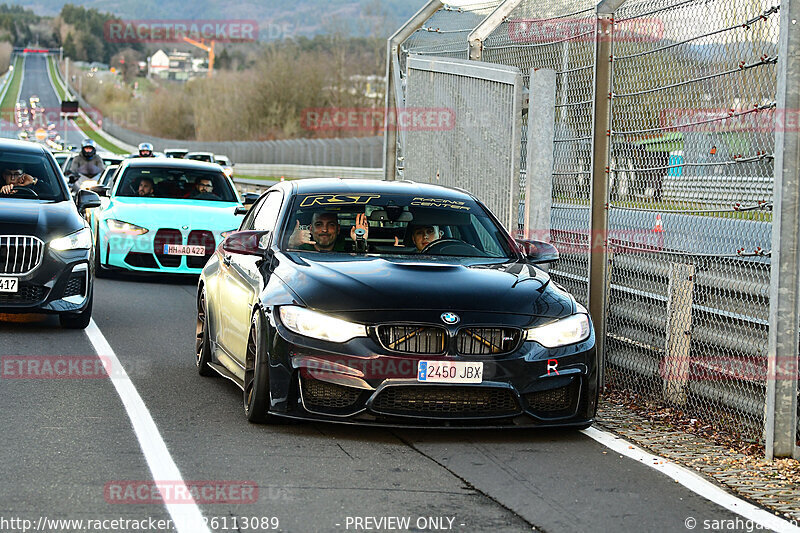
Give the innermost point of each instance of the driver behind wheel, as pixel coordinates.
(15, 177)
(203, 189)
(422, 236)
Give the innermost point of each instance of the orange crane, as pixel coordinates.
(208, 46)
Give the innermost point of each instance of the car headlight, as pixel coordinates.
(319, 326)
(118, 226)
(575, 328)
(80, 240)
(224, 234)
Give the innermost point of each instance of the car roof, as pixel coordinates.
(25, 147)
(164, 162)
(345, 186)
(200, 153)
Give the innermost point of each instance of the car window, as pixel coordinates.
(110, 176)
(33, 176)
(267, 215)
(394, 224)
(247, 223)
(176, 183)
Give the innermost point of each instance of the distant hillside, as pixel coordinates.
(304, 18)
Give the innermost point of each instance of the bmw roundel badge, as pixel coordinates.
(450, 318)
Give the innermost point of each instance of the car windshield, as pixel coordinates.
(30, 176)
(393, 225)
(208, 158)
(179, 183)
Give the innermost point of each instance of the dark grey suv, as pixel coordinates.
(46, 256)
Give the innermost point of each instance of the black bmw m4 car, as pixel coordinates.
(392, 303)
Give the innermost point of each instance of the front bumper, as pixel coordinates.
(61, 283)
(145, 253)
(531, 387)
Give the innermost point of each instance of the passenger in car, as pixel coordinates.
(323, 233)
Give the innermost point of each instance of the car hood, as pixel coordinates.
(46, 220)
(359, 287)
(156, 213)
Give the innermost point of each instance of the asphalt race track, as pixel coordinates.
(68, 443)
(37, 82)
(65, 440)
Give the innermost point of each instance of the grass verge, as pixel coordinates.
(10, 99)
(51, 66)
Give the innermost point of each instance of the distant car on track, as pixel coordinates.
(46, 257)
(163, 216)
(176, 153)
(392, 303)
(208, 157)
(226, 164)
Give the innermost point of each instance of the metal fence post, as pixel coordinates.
(598, 255)
(675, 368)
(393, 83)
(539, 172)
(477, 37)
(784, 301)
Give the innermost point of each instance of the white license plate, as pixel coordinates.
(9, 284)
(449, 372)
(182, 249)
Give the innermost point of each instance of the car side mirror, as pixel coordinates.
(241, 210)
(250, 198)
(247, 242)
(87, 200)
(101, 190)
(538, 252)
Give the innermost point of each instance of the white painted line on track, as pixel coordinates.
(694, 483)
(186, 516)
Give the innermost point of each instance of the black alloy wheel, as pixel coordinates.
(256, 395)
(202, 347)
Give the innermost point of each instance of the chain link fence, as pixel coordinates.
(693, 99)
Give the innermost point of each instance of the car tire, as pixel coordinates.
(256, 394)
(78, 320)
(202, 346)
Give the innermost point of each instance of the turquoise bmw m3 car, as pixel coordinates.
(163, 216)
